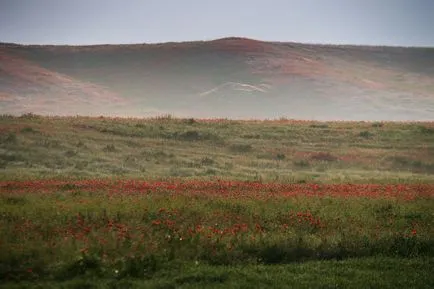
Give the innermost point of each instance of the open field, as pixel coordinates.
(180, 233)
(281, 151)
(187, 203)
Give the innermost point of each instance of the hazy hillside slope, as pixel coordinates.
(231, 77)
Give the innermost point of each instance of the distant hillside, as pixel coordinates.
(230, 77)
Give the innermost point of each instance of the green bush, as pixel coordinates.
(319, 125)
(191, 135)
(365, 134)
(110, 148)
(280, 157)
(241, 148)
(425, 130)
(377, 124)
(10, 138)
(27, 129)
(206, 161)
(190, 121)
(301, 163)
(29, 116)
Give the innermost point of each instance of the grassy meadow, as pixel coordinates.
(188, 203)
(279, 151)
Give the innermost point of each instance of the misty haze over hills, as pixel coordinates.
(224, 78)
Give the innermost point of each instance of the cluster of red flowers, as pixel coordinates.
(222, 188)
(193, 227)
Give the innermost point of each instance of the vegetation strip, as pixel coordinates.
(59, 230)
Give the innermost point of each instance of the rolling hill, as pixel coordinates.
(224, 78)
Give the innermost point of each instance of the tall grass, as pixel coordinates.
(68, 231)
(305, 151)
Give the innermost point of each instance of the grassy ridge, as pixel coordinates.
(285, 151)
(296, 80)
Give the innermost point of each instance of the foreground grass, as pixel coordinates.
(353, 273)
(304, 222)
(283, 151)
(64, 231)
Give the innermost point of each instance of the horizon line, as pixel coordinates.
(328, 44)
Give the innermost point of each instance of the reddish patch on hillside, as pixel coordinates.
(270, 60)
(37, 89)
(27, 73)
(5, 96)
(241, 45)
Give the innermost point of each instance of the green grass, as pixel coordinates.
(352, 273)
(67, 232)
(80, 147)
(88, 235)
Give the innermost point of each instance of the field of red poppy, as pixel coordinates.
(225, 214)
(112, 229)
